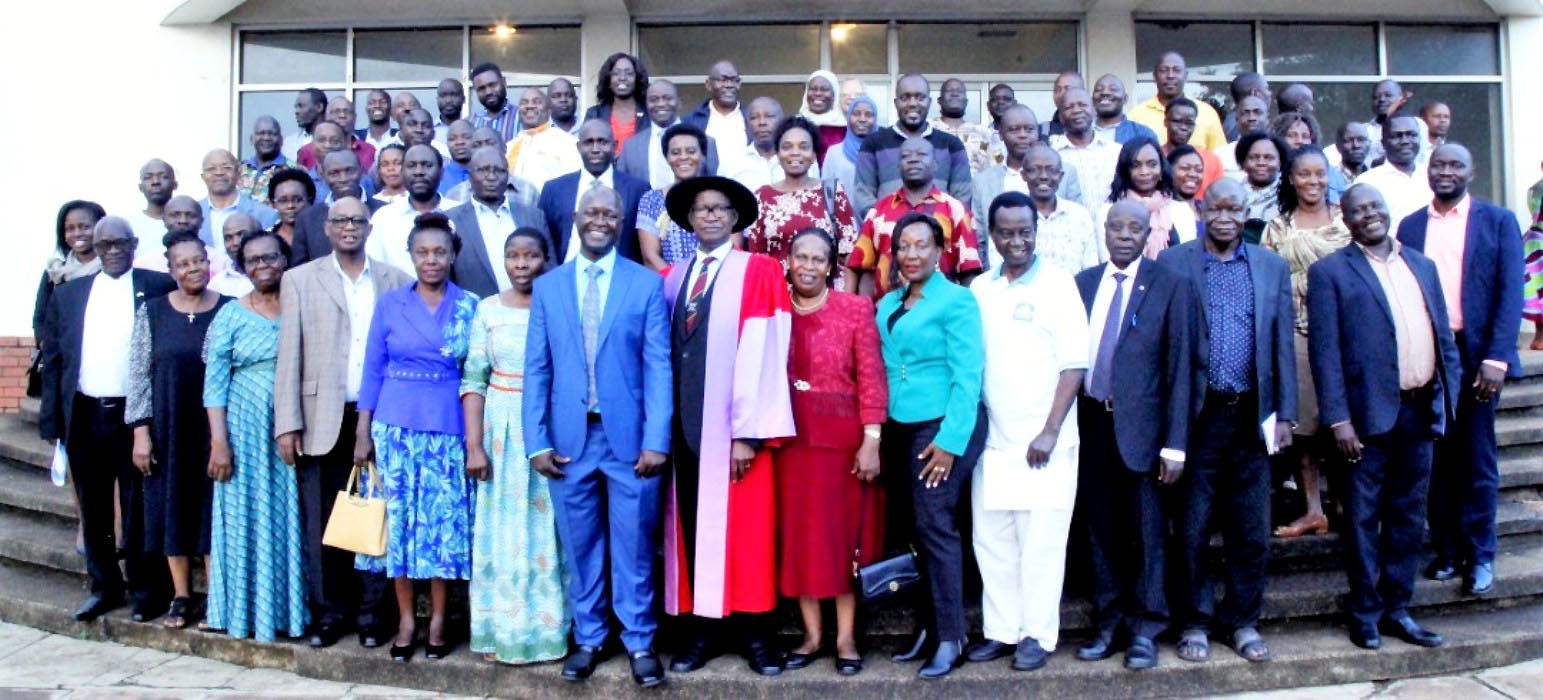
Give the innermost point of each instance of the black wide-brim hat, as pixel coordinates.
(683, 195)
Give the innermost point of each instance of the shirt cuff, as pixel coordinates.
(1171, 454)
(1497, 364)
(537, 452)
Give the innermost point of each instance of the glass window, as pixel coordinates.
(415, 55)
(774, 49)
(1451, 49)
(1319, 49)
(293, 57)
(951, 49)
(528, 50)
(859, 48)
(279, 104)
(1211, 49)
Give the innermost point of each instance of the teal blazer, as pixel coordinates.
(934, 359)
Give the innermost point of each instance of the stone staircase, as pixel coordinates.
(42, 579)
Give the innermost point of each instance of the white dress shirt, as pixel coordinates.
(1102, 300)
(717, 254)
(1094, 163)
(587, 182)
(105, 337)
(1404, 193)
(728, 130)
(293, 143)
(607, 265)
(389, 227)
(359, 296)
(496, 225)
(229, 282)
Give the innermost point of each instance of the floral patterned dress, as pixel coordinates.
(675, 243)
(784, 214)
(518, 610)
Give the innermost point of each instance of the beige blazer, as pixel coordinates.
(311, 381)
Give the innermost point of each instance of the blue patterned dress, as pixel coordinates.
(257, 566)
(412, 384)
(675, 243)
(518, 610)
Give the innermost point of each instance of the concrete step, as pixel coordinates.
(1305, 655)
(1522, 399)
(1521, 467)
(19, 442)
(1512, 430)
(27, 490)
(29, 410)
(42, 542)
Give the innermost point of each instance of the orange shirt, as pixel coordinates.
(1446, 237)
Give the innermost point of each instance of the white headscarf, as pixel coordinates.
(832, 116)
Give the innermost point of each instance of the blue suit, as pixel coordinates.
(1465, 482)
(601, 501)
(265, 215)
(557, 204)
(1353, 350)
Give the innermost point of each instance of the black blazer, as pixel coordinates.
(1152, 360)
(473, 271)
(63, 330)
(1275, 362)
(1492, 284)
(556, 204)
(602, 112)
(311, 232)
(1352, 346)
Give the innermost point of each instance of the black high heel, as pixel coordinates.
(404, 652)
(437, 651)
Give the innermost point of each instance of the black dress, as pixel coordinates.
(166, 392)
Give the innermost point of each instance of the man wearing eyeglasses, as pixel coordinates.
(340, 173)
(485, 222)
(720, 114)
(221, 171)
(327, 305)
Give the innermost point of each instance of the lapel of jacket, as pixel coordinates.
(1261, 287)
(1138, 295)
(1194, 262)
(1363, 268)
(1472, 239)
(416, 314)
(138, 281)
(621, 281)
(568, 302)
(327, 278)
(470, 231)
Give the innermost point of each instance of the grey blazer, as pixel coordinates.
(634, 155)
(474, 271)
(311, 380)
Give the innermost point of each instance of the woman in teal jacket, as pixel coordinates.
(931, 336)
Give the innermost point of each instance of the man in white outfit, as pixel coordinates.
(1024, 487)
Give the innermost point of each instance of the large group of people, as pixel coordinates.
(647, 363)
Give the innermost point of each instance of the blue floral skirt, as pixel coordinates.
(429, 504)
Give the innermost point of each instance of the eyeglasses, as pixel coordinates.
(711, 210)
(347, 221)
(267, 259)
(114, 244)
(489, 170)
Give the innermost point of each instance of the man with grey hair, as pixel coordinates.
(267, 158)
(85, 367)
(220, 170)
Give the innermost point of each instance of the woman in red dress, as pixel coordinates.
(799, 200)
(826, 502)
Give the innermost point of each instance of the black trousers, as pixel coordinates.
(929, 519)
(1226, 487)
(1385, 512)
(100, 448)
(1465, 478)
(336, 591)
(1125, 528)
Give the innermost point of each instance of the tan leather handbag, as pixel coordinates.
(358, 522)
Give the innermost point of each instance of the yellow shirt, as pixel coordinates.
(1208, 125)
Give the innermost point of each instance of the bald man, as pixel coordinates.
(757, 164)
(560, 198)
(1133, 417)
(267, 158)
(157, 184)
(228, 280)
(721, 115)
(220, 171)
(540, 151)
(1171, 74)
(1066, 80)
(1109, 112)
(340, 112)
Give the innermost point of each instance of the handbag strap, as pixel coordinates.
(355, 483)
(862, 526)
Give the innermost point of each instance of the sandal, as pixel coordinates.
(1194, 647)
(1306, 525)
(1250, 645)
(176, 616)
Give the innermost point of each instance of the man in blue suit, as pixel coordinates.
(560, 196)
(1386, 369)
(1244, 379)
(597, 423)
(1477, 249)
(1133, 416)
(221, 174)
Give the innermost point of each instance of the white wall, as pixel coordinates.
(93, 90)
(1524, 143)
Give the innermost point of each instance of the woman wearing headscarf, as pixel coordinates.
(819, 107)
(840, 164)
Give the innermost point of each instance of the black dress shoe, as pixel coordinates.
(97, 606)
(917, 651)
(1097, 648)
(949, 656)
(1441, 570)
(692, 657)
(1365, 636)
(1140, 654)
(323, 635)
(761, 658)
(1480, 579)
(1030, 656)
(369, 639)
(581, 663)
(987, 650)
(437, 651)
(849, 667)
(793, 660)
(647, 672)
(1404, 627)
(403, 653)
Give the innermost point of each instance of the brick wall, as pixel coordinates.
(15, 357)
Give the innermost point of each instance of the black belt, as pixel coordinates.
(1225, 397)
(593, 417)
(105, 402)
(1422, 393)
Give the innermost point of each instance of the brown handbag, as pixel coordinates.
(358, 521)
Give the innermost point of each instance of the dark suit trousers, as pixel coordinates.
(1385, 509)
(1124, 517)
(929, 518)
(100, 448)
(337, 591)
(1226, 487)
(1465, 478)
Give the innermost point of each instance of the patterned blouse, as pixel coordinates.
(1301, 247)
(784, 214)
(675, 243)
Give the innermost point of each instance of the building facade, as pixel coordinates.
(117, 83)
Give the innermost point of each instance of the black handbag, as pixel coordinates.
(885, 581)
(35, 375)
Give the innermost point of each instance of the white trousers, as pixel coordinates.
(1022, 557)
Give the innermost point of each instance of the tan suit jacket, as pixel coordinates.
(312, 376)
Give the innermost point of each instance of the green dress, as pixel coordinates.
(518, 608)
